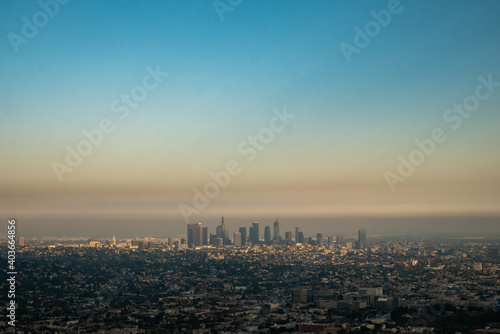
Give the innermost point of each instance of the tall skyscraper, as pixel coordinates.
(362, 239)
(254, 233)
(222, 232)
(237, 239)
(205, 236)
(250, 234)
(218, 242)
(319, 239)
(340, 241)
(297, 230)
(267, 234)
(243, 231)
(225, 231)
(300, 237)
(288, 236)
(190, 233)
(195, 234)
(276, 235)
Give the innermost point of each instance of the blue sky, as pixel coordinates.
(352, 121)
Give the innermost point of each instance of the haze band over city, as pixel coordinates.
(249, 149)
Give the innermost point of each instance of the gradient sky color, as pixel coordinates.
(225, 79)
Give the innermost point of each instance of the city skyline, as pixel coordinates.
(434, 228)
(268, 108)
(294, 288)
(199, 235)
(431, 226)
(233, 166)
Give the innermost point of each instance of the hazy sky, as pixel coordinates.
(75, 67)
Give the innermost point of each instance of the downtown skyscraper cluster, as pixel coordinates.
(197, 235)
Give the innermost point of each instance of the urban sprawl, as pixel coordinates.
(242, 283)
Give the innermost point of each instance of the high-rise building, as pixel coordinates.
(220, 230)
(218, 242)
(190, 233)
(250, 234)
(300, 236)
(205, 236)
(21, 241)
(267, 234)
(243, 231)
(362, 239)
(340, 241)
(319, 239)
(195, 234)
(288, 236)
(297, 230)
(254, 233)
(223, 232)
(114, 241)
(276, 235)
(237, 239)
